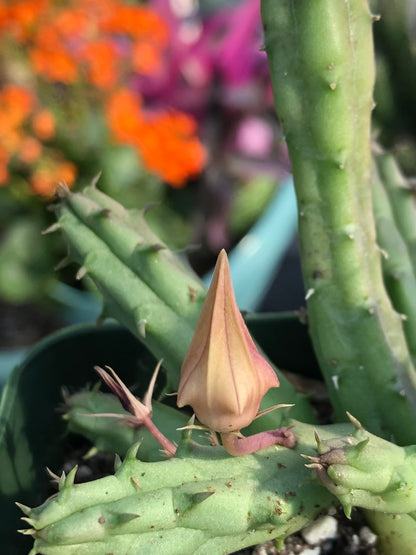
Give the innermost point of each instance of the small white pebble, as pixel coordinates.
(355, 540)
(325, 528)
(311, 551)
(309, 293)
(367, 536)
(260, 550)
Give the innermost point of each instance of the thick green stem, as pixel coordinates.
(205, 501)
(402, 201)
(395, 42)
(395, 533)
(126, 297)
(133, 241)
(201, 501)
(321, 61)
(364, 470)
(399, 278)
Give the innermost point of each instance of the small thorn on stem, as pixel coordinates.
(82, 272)
(142, 327)
(353, 420)
(52, 228)
(95, 180)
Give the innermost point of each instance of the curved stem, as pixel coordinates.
(237, 446)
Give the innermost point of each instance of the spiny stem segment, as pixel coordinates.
(321, 60)
(201, 501)
(144, 288)
(366, 471)
(402, 201)
(398, 274)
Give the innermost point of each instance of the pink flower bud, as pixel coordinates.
(223, 377)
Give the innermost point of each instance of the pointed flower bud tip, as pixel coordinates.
(223, 377)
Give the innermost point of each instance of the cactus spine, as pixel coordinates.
(321, 61)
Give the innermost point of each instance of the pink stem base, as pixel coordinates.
(244, 446)
(157, 434)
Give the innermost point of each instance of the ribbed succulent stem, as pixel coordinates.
(364, 470)
(399, 278)
(395, 533)
(134, 242)
(321, 61)
(402, 201)
(201, 501)
(206, 501)
(126, 297)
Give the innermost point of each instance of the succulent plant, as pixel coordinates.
(253, 487)
(128, 274)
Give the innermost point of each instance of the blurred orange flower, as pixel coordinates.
(43, 123)
(96, 45)
(145, 57)
(18, 107)
(50, 58)
(124, 116)
(30, 150)
(19, 16)
(50, 173)
(16, 104)
(166, 141)
(4, 172)
(102, 58)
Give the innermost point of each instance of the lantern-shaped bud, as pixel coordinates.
(223, 377)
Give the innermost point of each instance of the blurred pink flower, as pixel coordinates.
(213, 58)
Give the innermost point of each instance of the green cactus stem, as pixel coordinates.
(133, 241)
(366, 471)
(321, 61)
(126, 297)
(402, 201)
(395, 533)
(395, 42)
(201, 501)
(399, 278)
